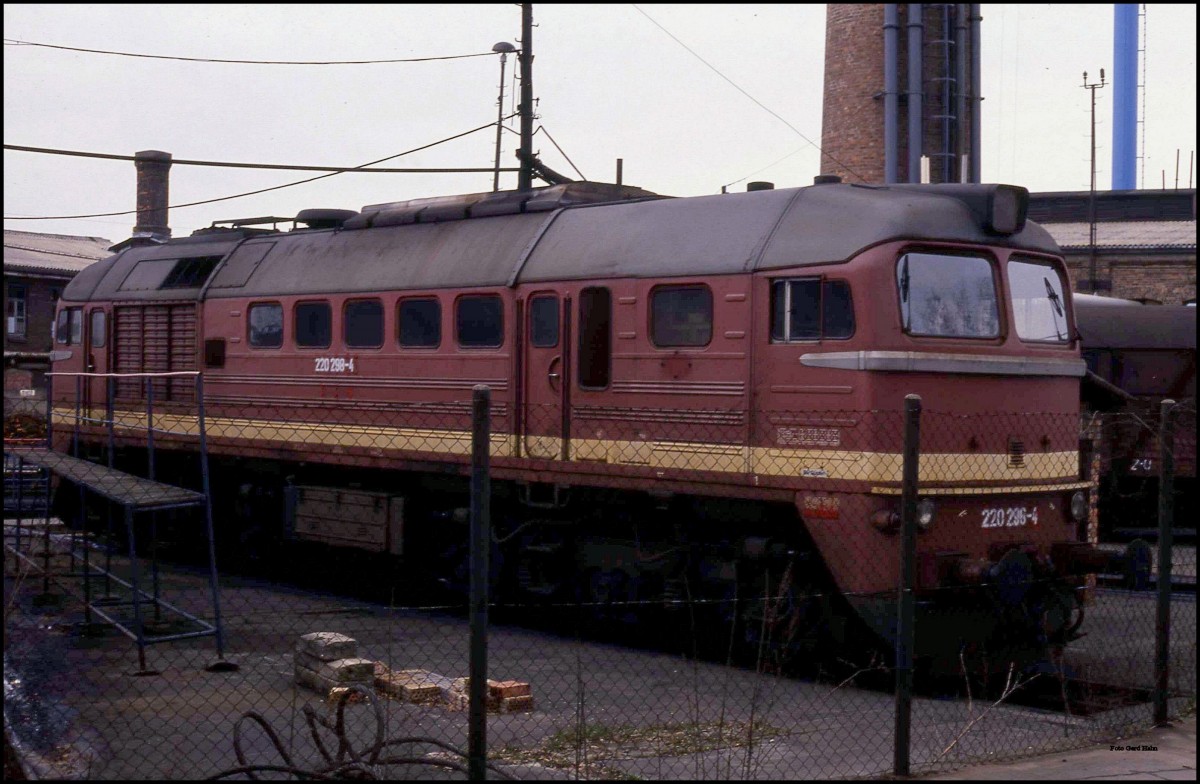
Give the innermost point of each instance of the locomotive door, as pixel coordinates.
(95, 348)
(546, 375)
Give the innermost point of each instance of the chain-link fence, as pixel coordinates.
(673, 593)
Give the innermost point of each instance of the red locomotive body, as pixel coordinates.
(695, 394)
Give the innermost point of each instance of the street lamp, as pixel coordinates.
(504, 48)
(1092, 283)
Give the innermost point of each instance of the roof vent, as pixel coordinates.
(760, 186)
(324, 219)
(826, 179)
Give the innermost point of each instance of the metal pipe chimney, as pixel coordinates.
(916, 40)
(891, 92)
(1124, 133)
(153, 169)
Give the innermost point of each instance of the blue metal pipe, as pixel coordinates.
(1125, 57)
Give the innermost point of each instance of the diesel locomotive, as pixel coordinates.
(692, 398)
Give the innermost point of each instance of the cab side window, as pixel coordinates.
(804, 309)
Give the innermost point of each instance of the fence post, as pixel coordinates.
(1166, 515)
(480, 545)
(908, 556)
(220, 665)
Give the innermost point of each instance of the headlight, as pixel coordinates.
(925, 511)
(1079, 505)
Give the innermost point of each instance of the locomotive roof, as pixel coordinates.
(1106, 323)
(543, 240)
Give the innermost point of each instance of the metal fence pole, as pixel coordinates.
(480, 545)
(208, 527)
(1166, 515)
(908, 556)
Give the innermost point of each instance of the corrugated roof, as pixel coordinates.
(56, 253)
(1146, 235)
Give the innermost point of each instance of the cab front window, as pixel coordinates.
(947, 296)
(1037, 301)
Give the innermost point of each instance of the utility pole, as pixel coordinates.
(525, 57)
(1092, 193)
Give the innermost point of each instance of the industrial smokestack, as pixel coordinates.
(1124, 133)
(153, 168)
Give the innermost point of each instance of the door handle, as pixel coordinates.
(551, 375)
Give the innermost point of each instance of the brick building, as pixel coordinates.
(36, 269)
(1145, 243)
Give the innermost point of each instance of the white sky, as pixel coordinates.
(610, 84)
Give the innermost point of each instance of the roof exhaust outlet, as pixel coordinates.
(324, 219)
(760, 186)
(826, 179)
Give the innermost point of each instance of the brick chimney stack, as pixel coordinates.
(153, 168)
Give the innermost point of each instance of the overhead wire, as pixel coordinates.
(491, 124)
(288, 166)
(16, 42)
(757, 102)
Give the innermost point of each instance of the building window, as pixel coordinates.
(363, 323)
(595, 337)
(543, 321)
(266, 325)
(420, 323)
(314, 325)
(14, 311)
(480, 321)
(810, 309)
(681, 316)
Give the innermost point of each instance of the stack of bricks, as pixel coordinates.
(328, 663)
(416, 686)
(502, 696)
(428, 688)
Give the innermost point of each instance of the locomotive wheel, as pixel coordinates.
(609, 593)
(543, 564)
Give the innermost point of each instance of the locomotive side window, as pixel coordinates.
(811, 309)
(420, 323)
(69, 330)
(363, 323)
(1037, 299)
(313, 325)
(266, 325)
(681, 316)
(479, 320)
(595, 337)
(543, 321)
(99, 330)
(947, 296)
